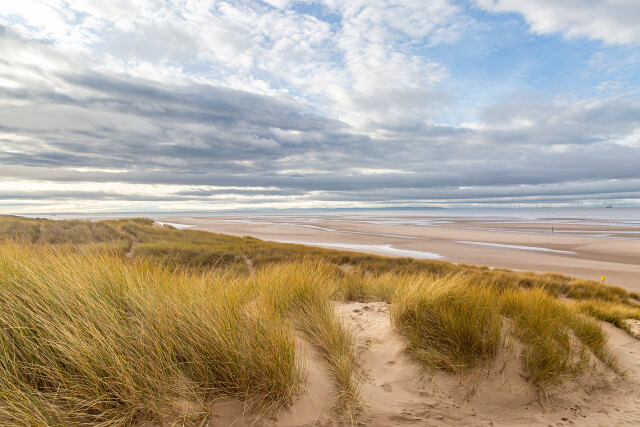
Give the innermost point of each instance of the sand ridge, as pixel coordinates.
(396, 390)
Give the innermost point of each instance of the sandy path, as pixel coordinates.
(314, 406)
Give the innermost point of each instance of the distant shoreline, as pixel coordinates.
(580, 247)
(240, 212)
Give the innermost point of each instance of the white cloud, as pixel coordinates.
(166, 93)
(362, 68)
(613, 21)
(280, 4)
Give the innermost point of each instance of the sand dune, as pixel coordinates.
(397, 391)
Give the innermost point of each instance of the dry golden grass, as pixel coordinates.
(190, 248)
(117, 322)
(95, 339)
(304, 292)
(450, 324)
(557, 340)
(611, 312)
(453, 324)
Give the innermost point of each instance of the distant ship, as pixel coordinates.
(608, 206)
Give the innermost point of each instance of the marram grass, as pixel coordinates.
(191, 248)
(450, 324)
(454, 324)
(304, 292)
(122, 322)
(611, 312)
(94, 339)
(557, 339)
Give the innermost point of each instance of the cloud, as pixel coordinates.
(286, 104)
(613, 21)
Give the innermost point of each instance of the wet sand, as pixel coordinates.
(576, 246)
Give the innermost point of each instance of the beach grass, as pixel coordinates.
(450, 324)
(454, 324)
(615, 313)
(124, 322)
(558, 341)
(304, 291)
(96, 339)
(198, 249)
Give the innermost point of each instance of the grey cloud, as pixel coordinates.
(202, 125)
(200, 135)
(198, 103)
(582, 191)
(552, 123)
(604, 163)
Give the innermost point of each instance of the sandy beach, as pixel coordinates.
(576, 246)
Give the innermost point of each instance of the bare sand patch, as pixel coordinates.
(397, 391)
(634, 327)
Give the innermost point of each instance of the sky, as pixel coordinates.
(150, 105)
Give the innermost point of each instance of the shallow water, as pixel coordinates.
(175, 225)
(383, 249)
(523, 248)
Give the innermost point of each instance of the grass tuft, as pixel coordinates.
(454, 325)
(450, 324)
